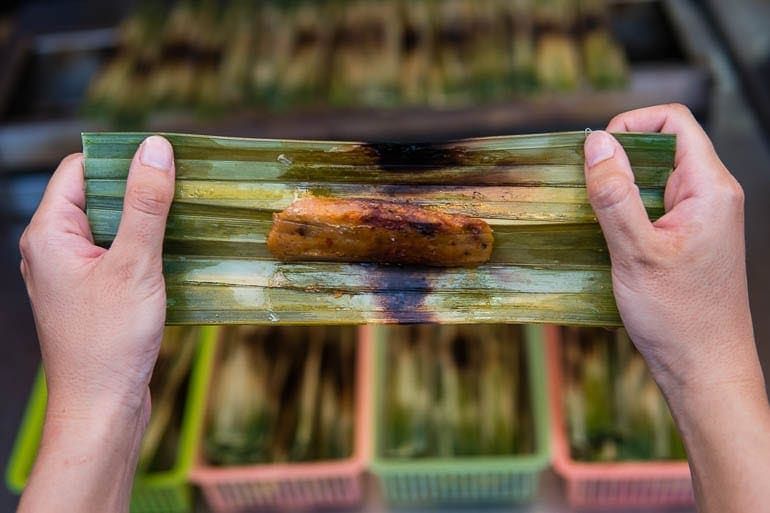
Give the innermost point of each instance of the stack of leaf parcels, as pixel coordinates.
(456, 391)
(614, 409)
(379, 53)
(282, 395)
(168, 389)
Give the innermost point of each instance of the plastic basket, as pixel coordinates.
(158, 492)
(476, 480)
(327, 484)
(610, 485)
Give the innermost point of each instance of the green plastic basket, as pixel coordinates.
(444, 481)
(158, 492)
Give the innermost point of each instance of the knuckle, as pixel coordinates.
(736, 194)
(24, 245)
(607, 190)
(729, 192)
(149, 199)
(679, 109)
(70, 158)
(617, 120)
(31, 241)
(40, 236)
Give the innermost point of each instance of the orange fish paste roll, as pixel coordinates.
(377, 231)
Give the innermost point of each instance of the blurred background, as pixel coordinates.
(378, 70)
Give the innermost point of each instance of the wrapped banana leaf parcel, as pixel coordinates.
(326, 232)
(614, 410)
(282, 394)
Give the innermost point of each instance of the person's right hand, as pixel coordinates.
(679, 282)
(680, 286)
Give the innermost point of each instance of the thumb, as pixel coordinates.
(149, 191)
(615, 197)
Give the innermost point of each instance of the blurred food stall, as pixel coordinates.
(359, 69)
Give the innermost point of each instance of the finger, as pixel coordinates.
(149, 191)
(674, 192)
(691, 139)
(64, 199)
(67, 184)
(615, 197)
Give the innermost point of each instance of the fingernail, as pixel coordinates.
(599, 147)
(156, 152)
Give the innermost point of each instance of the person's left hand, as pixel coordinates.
(100, 312)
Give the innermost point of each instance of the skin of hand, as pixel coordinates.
(680, 286)
(99, 315)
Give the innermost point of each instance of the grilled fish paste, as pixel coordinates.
(377, 231)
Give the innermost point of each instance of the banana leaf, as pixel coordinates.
(549, 265)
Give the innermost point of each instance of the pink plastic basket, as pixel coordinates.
(326, 484)
(610, 485)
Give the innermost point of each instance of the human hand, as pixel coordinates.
(99, 312)
(99, 315)
(680, 282)
(680, 286)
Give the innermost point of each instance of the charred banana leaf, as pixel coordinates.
(549, 262)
